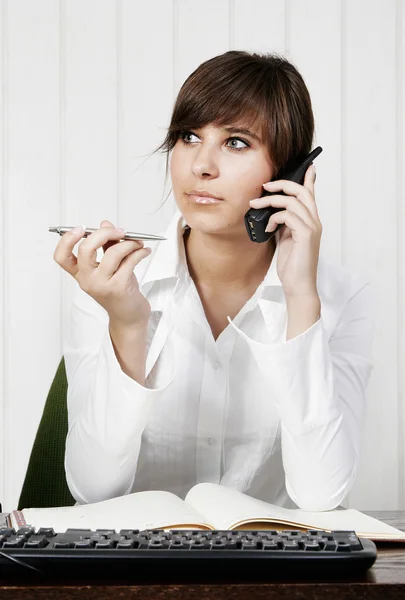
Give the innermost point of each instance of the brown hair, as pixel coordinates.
(247, 88)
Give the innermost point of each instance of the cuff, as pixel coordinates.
(129, 385)
(299, 376)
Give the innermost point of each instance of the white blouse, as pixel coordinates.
(278, 420)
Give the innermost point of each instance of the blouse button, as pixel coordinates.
(210, 441)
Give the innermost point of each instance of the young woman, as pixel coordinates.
(215, 358)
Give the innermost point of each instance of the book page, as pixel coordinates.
(139, 510)
(230, 509)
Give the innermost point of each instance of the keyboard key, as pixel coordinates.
(36, 541)
(84, 544)
(64, 544)
(159, 544)
(26, 531)
(218, 544)
(14, 542)
(177, 545)
(291, 545)
(330, 546)
(354, 541)
(200, 545)
(47, 531)
(312, 546)
(271, 545)
(126, 545)
(249, 545)
(105, 544)
(342, 547)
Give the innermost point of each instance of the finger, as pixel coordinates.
(291, 188)
(291, 204)
(303, 194)
(106, 223)
(112, 259)
(87, 252)
(63, 254)
(129, 263)
(309, 179)
(298, 228)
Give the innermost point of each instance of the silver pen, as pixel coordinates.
(128, 235)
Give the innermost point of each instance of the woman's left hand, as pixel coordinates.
(299, 240)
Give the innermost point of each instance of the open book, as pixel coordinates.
(206, 506)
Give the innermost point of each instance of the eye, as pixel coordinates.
(246, 145)
(185, 134)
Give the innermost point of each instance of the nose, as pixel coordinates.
(205, 165)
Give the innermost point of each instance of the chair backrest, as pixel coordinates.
(45, 480)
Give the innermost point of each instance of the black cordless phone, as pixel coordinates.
(256, 219)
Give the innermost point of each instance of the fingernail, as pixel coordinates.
(78, 229)
(268, 183)
(254, 200)
(120, 229)
(313, 171)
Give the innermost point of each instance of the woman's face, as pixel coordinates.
(231, 165)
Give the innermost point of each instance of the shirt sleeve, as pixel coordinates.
(319, 387)
(107, 409)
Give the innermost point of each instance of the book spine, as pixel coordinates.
(18, 518)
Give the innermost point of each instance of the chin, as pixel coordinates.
(211, 219)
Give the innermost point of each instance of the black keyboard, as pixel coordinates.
(181, 555)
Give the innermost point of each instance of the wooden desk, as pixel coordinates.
(386, 579)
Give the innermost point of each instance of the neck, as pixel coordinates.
(216, 262)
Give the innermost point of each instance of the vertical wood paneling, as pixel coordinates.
(316, 52)
(62, 212)
(314, 47)
(3, 262)
(90, 120)
(258, 25)
(400, 197)
(202, 33)
(146, 97)
(33, 310)
(369, 228)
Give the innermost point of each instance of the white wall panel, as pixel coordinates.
(400, 206)
(32, 329)
(3, 261)
(314, 46)
(369, 228)
(258, 25)
(146, 98)
(90, 117)
(202, 32)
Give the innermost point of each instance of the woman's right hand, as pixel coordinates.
(111, 282)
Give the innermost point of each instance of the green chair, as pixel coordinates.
(45, 481)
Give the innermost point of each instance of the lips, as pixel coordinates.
(203, 197)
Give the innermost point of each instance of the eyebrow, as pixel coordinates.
(242, 131)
